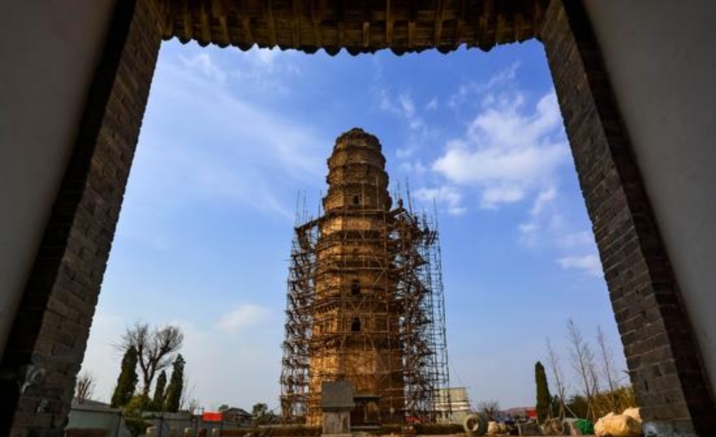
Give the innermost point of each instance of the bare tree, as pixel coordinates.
(489, 408)
(85, 387)
(558, 376)
(607, 358)
(193, 406)
(187, 393)
(607, 369)
(583, 363)
(155, 349)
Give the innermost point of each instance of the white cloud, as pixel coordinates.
(589, 264)
(528, 233)
(468, 90)
(576, 239)
(407, 105)
(203, 63)
(543, 198)
(444, 195)
(507, 153)
(535, 227)
(221, 168)
(432, 104)
(404, 107)
(412, 168)
(243, 316)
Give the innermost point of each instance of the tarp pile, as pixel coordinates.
(627, 424)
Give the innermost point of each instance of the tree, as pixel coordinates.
(259, 409)
(489, 409)
(607, 370)
(159, 392)
(193, 406)
(558, 380)
(176, 385)
(261, 414)
(584, 365)
(127, 380)
(223, 408)
(155, 349)
(85, 387)
(133, 415)
(544, 399)
(607, 358)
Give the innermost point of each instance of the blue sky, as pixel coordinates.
(231, 138)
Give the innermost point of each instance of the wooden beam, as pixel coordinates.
(316, 18)
(246, 24)
(188, 21)
(338, 7)
(204, 24)
(168, 22)
(366, 23)
(483, 25)
(271, 25)
(388, 24)
(296, 7)
(412, 22)
(518, 25)
(499, 27)
(220, 9)
(460, 26)
(439, 17)
(537, 18)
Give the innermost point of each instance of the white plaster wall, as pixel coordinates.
(48, 53)
(661, 58)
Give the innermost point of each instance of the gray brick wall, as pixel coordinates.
(662, 355)
(50, 333)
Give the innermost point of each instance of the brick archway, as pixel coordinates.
(48, 338)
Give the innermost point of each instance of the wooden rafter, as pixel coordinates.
(460, 25)
(354, 25)
(388, 24)
(412, 22)
(316, 18)
(205, 25)
(270, 22)
(439, 18)
(220, 9)
(366, 23)
(296, 7)
(246, 24)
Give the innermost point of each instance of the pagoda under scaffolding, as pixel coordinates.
(365, 298)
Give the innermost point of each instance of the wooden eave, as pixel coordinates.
(359, 26)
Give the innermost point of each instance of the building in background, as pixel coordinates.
(453, 405)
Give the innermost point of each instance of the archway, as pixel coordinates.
(54, 316)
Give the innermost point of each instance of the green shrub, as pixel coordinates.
(136, 426)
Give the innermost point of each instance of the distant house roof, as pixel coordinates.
(237, 412)
(89, 403)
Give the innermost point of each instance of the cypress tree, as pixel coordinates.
(159, 393)
(127, 380)
(544, 399)
(176, 385)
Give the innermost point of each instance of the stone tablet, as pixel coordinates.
(337, 395)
